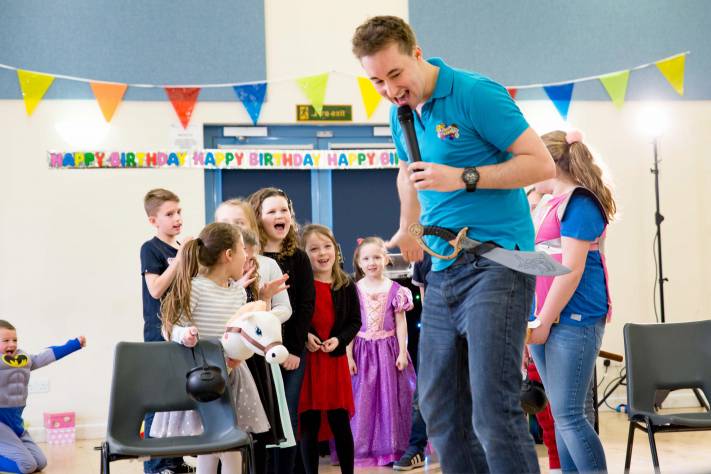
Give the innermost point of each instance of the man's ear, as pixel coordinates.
(417, 52)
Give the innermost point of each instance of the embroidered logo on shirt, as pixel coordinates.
(15, 360)
(444, 131)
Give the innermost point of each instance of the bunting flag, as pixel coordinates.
(371, 97)
(109, 96)
(616, 87)
(183, 100)
(512, 92)
(314, 88)
(673, 70)
(560, 95)
(33, 86)
(252, 97)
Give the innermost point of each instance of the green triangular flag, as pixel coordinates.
(616, 86)
(314, 88)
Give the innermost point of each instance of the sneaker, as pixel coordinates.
(409, 461)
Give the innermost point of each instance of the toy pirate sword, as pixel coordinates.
(532, 263)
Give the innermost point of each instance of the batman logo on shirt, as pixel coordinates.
(19, 360)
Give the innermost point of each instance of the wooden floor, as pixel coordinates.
(678, 453)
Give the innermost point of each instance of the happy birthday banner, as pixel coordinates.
(109, 95)
(229, 160)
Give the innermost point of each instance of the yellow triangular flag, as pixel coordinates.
(616, 86)
(109, 96)
(673, 70)
(370, 96)
(314, 88)
(33, 86)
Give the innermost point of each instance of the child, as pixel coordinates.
(159, 261)
(18, 452)
(383, 378)
(199, 305)
(327, 384)
(277, 236)
(415, 454)
(571, 227)
(238, 212)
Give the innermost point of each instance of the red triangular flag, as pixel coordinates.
(512, 92)
(183, 100)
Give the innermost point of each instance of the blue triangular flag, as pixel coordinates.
(560, 95)
(252, 97)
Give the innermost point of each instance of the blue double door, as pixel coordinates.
(353, 203)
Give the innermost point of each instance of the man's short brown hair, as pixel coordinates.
(155, 198)
(379, 32)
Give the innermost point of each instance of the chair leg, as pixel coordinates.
(652, 445)
(105, 460)
(630, 441)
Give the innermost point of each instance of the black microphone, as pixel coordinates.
(407, 123)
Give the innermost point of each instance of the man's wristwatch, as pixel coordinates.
(470, 176)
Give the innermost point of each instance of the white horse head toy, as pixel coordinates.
(254, 330)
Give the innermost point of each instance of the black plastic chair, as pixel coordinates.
(150, 377)
(665, 356)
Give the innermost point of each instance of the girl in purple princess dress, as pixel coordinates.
(382, 374)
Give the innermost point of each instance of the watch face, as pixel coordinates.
(469, 176)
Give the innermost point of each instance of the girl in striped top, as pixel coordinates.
(199, 304)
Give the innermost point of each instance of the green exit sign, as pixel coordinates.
(329, 113)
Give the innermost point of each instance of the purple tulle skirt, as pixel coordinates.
(383, 402)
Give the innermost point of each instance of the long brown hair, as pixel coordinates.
(290, 242)
(356, 254)
(338, 276)
(576, 160)
(204, 251)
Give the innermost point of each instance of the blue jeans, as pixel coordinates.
(418, 429)
(566, 362)
(473, 330)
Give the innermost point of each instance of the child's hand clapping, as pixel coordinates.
(247, 277)
(401, 363)
(190, 337)
(329, 345)
(313, 343)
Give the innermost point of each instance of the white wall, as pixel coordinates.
(69, 240)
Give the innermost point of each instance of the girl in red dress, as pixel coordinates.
(327, 383)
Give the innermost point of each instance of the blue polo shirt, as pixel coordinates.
(470, 120)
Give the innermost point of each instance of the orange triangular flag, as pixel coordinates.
(33, 86)
(512, 92)
(183, 100)
(109, 96)
(673, 70)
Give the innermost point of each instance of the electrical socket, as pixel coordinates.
(38, 384)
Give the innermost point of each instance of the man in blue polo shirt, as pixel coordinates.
(477, 153)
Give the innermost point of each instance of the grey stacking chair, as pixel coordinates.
(150, 377)
(667, 356)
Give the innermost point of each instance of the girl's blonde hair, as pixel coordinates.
(338, 276)
(356, 254)
(250, 240)
(202, 252)
(290, 242)
(246, 210)
(576, 160)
